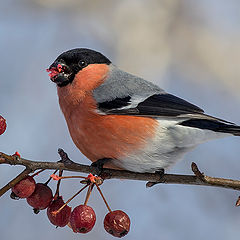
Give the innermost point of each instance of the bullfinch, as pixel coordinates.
(114, 115)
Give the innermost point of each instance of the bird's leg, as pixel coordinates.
(64, 157)
(98, 165)
(161, 173)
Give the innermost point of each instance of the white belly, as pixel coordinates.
(168, 146)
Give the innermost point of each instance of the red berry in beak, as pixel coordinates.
(117, 223)
(82, 219)
(41, 197)
(25, 187)
(61, 218)
(59, 68)
(3, 125)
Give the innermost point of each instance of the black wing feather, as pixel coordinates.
(114, 104)
(213, 125)
(155, 105)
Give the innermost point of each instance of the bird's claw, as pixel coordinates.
(161, 173)
(98, 165)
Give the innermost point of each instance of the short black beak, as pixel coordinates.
(60, 73)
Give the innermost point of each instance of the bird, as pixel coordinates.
(123, 121)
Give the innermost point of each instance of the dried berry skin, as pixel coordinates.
(117, 223)
(61, 218)
(25, 187)
(41, 197)
(82, 219)
(3, 125)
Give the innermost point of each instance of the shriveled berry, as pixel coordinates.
(3, 125)
(25, 187)
(82, 219)
(60, 218)
(41, 197)
(117, 223)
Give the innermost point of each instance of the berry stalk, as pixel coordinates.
(90, 188)
(105, 201)
(50, 178)
(70, 199)
(35, 174)
(56, 195)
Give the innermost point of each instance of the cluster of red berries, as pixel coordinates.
(82, 219)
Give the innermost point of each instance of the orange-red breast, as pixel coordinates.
(113, 114)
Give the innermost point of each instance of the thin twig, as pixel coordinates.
(238, 202)
(197, 172)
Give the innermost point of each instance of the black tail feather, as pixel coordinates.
(213, 125)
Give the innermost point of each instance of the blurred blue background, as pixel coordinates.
(190, 48)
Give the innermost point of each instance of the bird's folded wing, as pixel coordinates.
(157, 105)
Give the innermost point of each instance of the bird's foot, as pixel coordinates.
(98, 165)
(159, 172)
(64, 157)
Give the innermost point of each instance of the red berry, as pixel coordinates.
(41, 197)
(61, 218)
(3, 125)
(82, 219)
(25, 187)
(117, 223)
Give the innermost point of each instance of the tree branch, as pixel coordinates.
(197, 179)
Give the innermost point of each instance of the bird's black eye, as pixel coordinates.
(61, 60)
(82, 63)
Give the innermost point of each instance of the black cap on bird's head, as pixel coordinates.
(64, 68)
